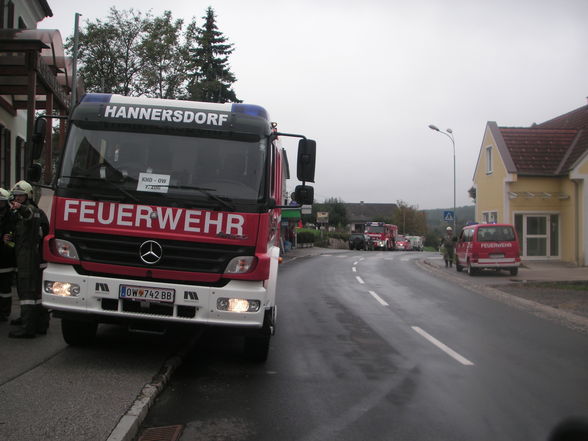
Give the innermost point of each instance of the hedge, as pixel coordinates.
(308, 235)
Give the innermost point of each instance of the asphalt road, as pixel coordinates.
(370, 346)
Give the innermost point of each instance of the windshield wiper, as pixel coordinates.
(225, 202)
(112, 184)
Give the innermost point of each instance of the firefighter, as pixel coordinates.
(448, 247)
(7, 220)
(31, 225)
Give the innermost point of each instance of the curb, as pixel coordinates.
(565, 318)
(128, 426)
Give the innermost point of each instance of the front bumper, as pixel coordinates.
(194, 304)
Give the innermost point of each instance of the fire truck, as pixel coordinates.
(168, 213)
(383, 235)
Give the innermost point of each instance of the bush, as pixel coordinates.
(338, 235)
(308, 236)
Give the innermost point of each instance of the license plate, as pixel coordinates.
(496, 256)
(147, 294)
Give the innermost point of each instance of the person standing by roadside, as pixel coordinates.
(448, 246)
(7, 263)
(31, 225)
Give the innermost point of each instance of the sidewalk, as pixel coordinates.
(298, 252)
(529, 271)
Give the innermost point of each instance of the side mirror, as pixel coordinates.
(306, 160)
(304, 195)
(38, 139)
(34, 172)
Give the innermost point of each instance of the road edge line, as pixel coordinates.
(567, 319)
(127, 427)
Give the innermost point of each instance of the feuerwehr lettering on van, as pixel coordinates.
(496, 245)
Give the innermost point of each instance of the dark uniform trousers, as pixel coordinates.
(7, 263)
(35, 318)
(6, 276)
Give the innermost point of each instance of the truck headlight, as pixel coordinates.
(64, 248)
(240, 264)
(63, 289)
(237, 305)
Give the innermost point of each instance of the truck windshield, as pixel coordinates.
(159, 168)
(375, 229)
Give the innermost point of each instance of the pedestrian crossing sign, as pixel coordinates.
(448, 215)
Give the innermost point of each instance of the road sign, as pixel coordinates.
(306, 209)
(448, 215)
(322, 217)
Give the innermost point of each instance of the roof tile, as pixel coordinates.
(538, 151)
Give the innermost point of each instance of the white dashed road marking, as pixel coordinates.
(443, 347)
(378, 298)
(360, 280)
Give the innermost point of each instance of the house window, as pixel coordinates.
(489, 168)
(4, 157)
(10, 16)
(489, 217)
(6, 154)
(19, 159)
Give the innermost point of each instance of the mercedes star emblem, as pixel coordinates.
(150, 252)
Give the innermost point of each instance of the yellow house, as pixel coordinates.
(536, 178)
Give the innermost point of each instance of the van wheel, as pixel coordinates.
(78, 333)
(458, 267)
(471, 270)
(514, 271)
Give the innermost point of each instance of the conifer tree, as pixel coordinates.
(210, 77)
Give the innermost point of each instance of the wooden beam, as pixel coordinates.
(47, 166)
(31, 107)
(23, 105)
(7, 106)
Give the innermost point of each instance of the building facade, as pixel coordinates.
(35, 76)
(536, 179)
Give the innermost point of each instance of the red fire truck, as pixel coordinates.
(168, 212)
(383, 235)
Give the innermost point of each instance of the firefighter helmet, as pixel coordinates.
(23, 187)
(4, 195)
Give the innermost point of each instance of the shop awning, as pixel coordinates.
(537, 194)
(290, 213)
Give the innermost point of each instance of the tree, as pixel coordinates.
(336, 209)
(109, 53)
(164, 58)
(131, 53)
(211, 79)
(472, 193)
(410, 220)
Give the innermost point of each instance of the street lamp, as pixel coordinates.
(449, 134)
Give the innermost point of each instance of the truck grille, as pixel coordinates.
(176, 256)
(147, 308)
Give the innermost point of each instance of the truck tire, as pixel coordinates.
(78, 333)
(471, 270)
(458, 267)
(514, 271)
(257, 348)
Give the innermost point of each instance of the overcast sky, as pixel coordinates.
(366, 78)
